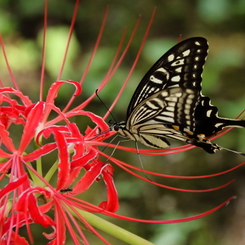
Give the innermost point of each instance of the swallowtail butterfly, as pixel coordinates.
(168, 102)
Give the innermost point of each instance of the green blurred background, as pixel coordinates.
(222, 23)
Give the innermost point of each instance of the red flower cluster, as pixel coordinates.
(74, 154)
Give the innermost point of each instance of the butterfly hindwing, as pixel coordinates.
(208, 122)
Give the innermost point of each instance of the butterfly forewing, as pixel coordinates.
(181, 66)
(170, 106)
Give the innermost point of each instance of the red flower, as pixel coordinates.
(29, 195)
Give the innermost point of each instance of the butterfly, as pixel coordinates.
(168, 102)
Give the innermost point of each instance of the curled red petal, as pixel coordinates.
(13, 185)
(82, 161)
(64, 163)
(37, 216)
(46, 132)
(4, 154)
(96, 119)
(16, 239)
(16, 220)
(63, 153)
(44, 150)
(21, 204)
(13, 113)
(112, 203)
(25, 100)
(33, 120)
(5, 167)
(79, 146)
(28, 205)
(88, 179)
(54, 89)
(8, 143)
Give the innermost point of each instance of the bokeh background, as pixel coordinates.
(222, 23)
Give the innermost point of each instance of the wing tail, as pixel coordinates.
(232, 123)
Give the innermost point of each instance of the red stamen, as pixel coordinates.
(43, 49)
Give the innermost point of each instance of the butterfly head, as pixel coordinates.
(118, 126)
(123, 131)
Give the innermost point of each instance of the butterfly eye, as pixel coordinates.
(116, 127)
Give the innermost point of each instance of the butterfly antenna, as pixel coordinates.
(236, 152)
(96, 92)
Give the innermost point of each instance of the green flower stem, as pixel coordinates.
(39, 166)
(51, 171)
(33, 176)
(113, 230)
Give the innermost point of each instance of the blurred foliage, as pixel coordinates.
(222, 22)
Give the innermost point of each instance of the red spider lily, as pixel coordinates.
(29, 196)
